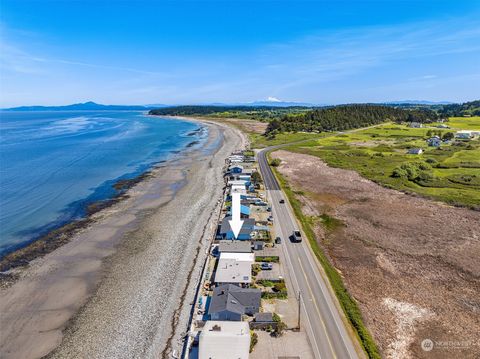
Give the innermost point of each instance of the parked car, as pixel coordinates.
(269, 209)
(282, 201)
(278, 240)
(270, 218)
(297, 236)
(266, 266)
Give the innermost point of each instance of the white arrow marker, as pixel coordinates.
(236, 223)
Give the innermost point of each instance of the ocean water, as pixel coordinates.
(53, 164)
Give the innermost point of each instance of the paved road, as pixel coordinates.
(326, 330)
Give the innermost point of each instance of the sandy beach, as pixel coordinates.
(123, 286)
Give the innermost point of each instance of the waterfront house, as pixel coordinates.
(234, 246)
(244, 234)
(244, 211)
(415, 151)
(231, 302)
(236, 168)
(234, 268)
(220, 337)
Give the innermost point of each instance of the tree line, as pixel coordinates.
(346, 117)
(471, 108)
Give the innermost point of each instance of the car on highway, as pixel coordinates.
(297, 236)
(282, 201)
(278, 240)
(266, 266)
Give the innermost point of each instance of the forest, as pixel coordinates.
(346, 117)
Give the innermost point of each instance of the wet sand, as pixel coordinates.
(120, 288)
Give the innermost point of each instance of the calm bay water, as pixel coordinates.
(52, 164)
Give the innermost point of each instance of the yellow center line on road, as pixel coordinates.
(316, 307)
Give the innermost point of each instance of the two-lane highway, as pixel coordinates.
(320, 317)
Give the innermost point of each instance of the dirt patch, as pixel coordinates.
(246, 125)
(412, 264)
(369, 144)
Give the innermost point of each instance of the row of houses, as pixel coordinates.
(229, 302)
(436, 141)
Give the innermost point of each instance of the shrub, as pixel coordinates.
(256, 177)
(279, 287)
(279, 328)
(253, 340)
(275, 162)
(274, 295)
(432, 161)
(265, 283)
(399, 172)
(268, 259)
(448, 136)
(256, 269)
(413, 171)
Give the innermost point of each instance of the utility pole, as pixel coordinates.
(299, 308)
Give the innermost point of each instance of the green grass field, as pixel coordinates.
(464, 123)
(260, 141)
(450, 173)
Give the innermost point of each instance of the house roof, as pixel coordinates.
(415, 150)
(234, 299)
(264, 317)
(234, 268)
(233, 246)
(244, 209)
(247, 226)
(239, 257)
(220, 337)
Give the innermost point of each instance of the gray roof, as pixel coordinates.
(247, 226)
(264, 317)
(234, 299)
(233, 246)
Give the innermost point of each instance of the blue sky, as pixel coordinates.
(174, 52)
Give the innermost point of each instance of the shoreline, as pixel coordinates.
(16, 259)
(116, 288)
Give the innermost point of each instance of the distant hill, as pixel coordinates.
(261, 103)
(418, 102)
(471, 108)
(86, 106)
(279, 104)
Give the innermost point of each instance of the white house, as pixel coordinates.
(224, 340)
(416, 125)
(415, 151)
(234, 268)
(464, 135)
